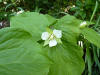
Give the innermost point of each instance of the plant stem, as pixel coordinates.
(95, 9)
(97, 23)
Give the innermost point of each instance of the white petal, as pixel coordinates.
(20, 12)
(80, 43)
(52, 43)
(83, 23)
(57, 33)
(45, 35)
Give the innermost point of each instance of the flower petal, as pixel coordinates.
(45, 35)
(20, 12)
(57, 33)
(52, 43)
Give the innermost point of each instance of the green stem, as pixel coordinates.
(95, 9)
(97, 23)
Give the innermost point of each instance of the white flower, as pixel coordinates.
(5, 2)
(52, 43)
(51, 38)
(83, 23)
(45, 35)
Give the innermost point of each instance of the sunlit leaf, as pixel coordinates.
(20, 55)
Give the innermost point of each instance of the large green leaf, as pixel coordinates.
(20, 54)
(33, 22)
(67, 60)
(92, 36)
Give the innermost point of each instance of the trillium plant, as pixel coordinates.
(37, 44)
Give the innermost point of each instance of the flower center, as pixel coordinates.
(51, 37)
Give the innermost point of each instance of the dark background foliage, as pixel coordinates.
(82, 9)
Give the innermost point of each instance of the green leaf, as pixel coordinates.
(33, 22)
(92, 36)
(96, 59)
(50, 19)
(69, 21)
(88, 58)
(20, 55)
(67, 59)
(70, 28)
